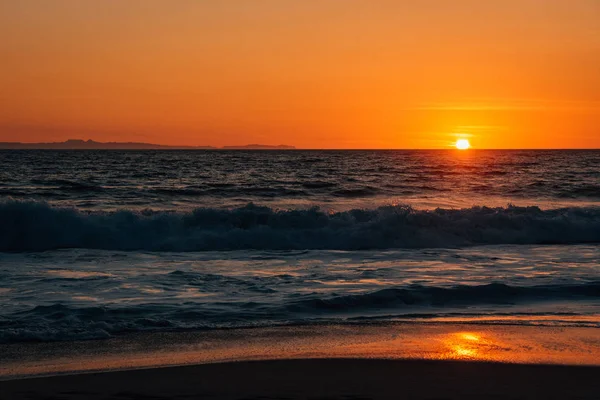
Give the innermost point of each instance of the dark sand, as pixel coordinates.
(321, 379)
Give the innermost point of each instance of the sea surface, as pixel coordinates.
(96, 244)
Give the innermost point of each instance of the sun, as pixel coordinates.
(462, 144)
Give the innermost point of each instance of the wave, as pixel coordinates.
(229, 191)
(33, 226)
(319, 185)
(59, 322)
(495, 293)
(69, 185)
(587, 191)
(356, 192)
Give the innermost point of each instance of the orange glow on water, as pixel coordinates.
(463, 352)
(495, 343)
(466, 345)
(471, 337)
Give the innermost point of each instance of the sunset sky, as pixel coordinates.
(314, 74)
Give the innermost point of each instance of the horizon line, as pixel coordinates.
(250, 146)
(274, 148)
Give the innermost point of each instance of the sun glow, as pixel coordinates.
(468, 345)
(471, 337)
(462, 144)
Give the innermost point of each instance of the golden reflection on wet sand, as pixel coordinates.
(494, 343)
(467, 346)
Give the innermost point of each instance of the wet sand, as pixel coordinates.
(404, 360)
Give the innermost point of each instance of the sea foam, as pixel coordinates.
(57, 322)
(33, 226)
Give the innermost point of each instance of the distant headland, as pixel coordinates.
(77, 144)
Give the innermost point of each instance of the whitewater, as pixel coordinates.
(30, 226)
(97, 244)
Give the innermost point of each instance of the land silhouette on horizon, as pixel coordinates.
(79, 144)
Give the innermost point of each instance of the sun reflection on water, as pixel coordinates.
(467, 346)
(463, 352)
(492, 343)
(471, 337)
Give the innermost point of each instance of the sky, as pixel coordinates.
(313, 74)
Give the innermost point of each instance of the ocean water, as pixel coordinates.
(95, 244)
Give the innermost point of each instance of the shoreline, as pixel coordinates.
(502, 344)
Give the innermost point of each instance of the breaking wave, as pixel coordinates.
(494, 293)
(59, 322)
(33, 226)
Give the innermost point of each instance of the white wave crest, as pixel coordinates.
(32, 226)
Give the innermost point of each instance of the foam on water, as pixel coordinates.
(86, 294)
(27, 226)
(101, 243)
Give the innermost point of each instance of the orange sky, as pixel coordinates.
(314, 74)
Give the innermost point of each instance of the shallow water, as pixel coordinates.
(390, 340)
(95, 244)
(80, 294)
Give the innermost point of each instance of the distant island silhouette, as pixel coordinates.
(78, 144)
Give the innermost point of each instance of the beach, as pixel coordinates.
(283, 199)
(371, 274)
(366, 361)
(321, 378)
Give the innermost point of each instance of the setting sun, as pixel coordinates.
(271, 161)
(462, 144)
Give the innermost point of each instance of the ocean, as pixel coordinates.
(98, 244)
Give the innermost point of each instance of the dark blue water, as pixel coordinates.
(101, 243)
(176, 180)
